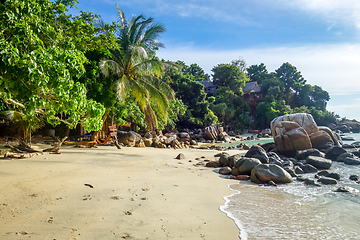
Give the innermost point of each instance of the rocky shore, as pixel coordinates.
(300, 147)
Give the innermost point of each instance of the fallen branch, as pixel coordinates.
(85, 143)
(55, 150)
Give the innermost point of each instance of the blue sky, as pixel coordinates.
(321, 38)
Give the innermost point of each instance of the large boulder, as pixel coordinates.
(128, 138)
(224, 159)
(334, 152)
(319, 162)
(306, 121)
(290, 136)
(264, 173)
(303, 154)
(257, 152)
(327, 180)
(319, 138)
(211, 133)
(247, 164)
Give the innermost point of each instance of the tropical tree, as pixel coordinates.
(137, 70)
(41, 53)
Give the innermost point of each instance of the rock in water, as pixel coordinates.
(319, 162)
(264, 173)
(346, 189)
(257, 152)
(327, 180)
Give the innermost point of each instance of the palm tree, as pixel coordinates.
(136, 68)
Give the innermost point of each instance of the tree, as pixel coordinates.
(257, 73)
(291, 78)
(41, 52)
(136, 68)
(229, 75)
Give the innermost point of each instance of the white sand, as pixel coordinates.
(138, 193)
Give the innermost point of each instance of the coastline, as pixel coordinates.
(138, 193)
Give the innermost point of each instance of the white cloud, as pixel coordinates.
(334, 11)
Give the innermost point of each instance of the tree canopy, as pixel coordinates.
(41, 52)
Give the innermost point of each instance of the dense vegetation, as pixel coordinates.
(95, 71)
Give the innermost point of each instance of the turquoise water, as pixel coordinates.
(297, 211)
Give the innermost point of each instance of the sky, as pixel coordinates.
(321, 38)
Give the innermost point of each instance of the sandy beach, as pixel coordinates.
(106, 193)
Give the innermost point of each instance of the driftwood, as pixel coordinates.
(56, 149)
(84, 143)
(25, 151)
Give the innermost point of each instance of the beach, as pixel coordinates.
(109, 193)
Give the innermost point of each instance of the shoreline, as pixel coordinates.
(137, 193)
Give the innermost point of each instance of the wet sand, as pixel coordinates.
(106, 193)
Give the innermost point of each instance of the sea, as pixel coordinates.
(295, 210)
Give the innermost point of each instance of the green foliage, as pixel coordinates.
(27, 124)
(229, 75)
(135, 70)
(39, 60)
(286, 91)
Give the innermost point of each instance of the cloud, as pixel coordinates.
(334, 11)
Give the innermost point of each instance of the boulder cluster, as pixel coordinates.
(174, 139)
(299, 147)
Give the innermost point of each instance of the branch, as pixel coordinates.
(36, 110)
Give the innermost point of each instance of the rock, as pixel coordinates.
(225, 171)
(271, 183)
(333, 152)
(263, 173)
(274, 159)
(211, 133)
(298, 170)
(319, 162)
(193, 142)
(170, 139)
(303, 154)
(354, 178)
(334, 176)
(242, 177)
(176, 144)
(184, 136)
(311, 182)
(346, 189)
(247, 165)
(291, 172)
(257, 152)
(245, 147)
(234, 171)
(148, 142)
(345, 155)
(128, 138)
(301, 178)
(347, 138)
(352, 161)
(140, 143)
(213, 164)
(323, 173)
(327, 180)
(307, 168)
(291, 132)
(224, 159)
(319, 138)
(336, 139)
(233, 159)
(181, 156)
(306, 121)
